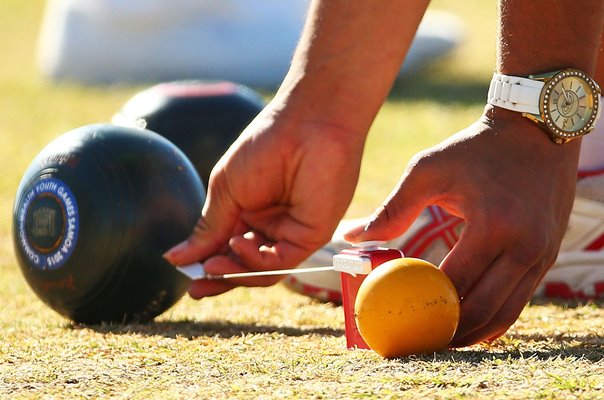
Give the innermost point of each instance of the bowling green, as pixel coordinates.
(268, 343)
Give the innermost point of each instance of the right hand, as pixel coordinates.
(275, 197)
(514, 189)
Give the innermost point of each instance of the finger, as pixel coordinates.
(480, 305)
(250, 248)
(239, 229)
(470, 258)
(500, 321)
(532, 293)
(216, 265)
(495, 302)
(206, 288)
(278, 240)
(261, 255)
(388, 222)
(213, 230)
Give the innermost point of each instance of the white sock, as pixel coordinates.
(592, 148)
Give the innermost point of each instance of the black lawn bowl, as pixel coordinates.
(202, 118)
(94, 213)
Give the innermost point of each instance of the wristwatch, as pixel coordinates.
(565, 103)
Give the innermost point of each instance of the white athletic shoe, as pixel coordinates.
(577, 274)
(579, 270)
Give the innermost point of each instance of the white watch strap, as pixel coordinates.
(515, 93)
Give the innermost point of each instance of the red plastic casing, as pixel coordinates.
(350, 288)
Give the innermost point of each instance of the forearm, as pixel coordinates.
(599, 75)
(349, 54)
(545, 35)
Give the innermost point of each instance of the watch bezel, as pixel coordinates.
(561, 135)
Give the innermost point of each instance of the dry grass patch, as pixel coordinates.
(271, 343)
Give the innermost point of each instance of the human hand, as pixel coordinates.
(514, 189)
(276, 196)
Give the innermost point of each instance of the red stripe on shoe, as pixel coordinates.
(597, 244)
(585, 174)
(562, 290)
(442, 227)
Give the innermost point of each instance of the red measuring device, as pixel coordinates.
(355, 264)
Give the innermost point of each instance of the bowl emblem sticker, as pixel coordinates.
(48, 223)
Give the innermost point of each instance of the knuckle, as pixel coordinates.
(203, 237)
(534, 249)
(422, 160)
(201, 227)
(478, 315)
(422, 169)
(387, 212)
(384, 215)
(507, 318)
(201, 233)
(466, 261)
(462, 284)
(530, 242)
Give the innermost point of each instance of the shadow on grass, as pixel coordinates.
(582, 351)
(543, 347)
(568, 303)
(587, 347)
(194, 329)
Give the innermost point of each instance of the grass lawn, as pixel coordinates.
(268, 342)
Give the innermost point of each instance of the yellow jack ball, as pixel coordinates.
(406, 306)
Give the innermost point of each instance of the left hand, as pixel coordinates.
(274, 198)
(514, 189)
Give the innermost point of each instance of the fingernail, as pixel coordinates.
(174, 252)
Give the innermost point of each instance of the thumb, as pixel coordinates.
(213, 230)
(394, 217)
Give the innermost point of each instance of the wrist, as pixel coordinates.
(524, 131)
(308, 100)
(288, 118)
(528, 145)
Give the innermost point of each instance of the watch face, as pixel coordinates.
(570, 104)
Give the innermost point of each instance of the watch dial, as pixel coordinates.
(570, 104)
